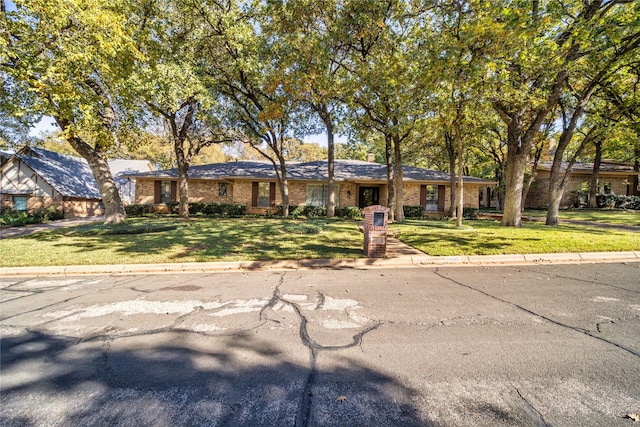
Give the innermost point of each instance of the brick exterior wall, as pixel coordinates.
(471, 195)
(240, 192)
(538, 196)
(144, 191)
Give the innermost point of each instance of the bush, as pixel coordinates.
(413, 211)
(217, 209)
(12, 218)
(470, 213)
(618, 201)
(349, 212)
(138, 210)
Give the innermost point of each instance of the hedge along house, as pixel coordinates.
(254, 184)
(35, 178)
(613, 178)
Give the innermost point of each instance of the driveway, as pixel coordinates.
(448, 346)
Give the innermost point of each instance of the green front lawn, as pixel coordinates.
(487, 237)
(598, 215)
(171, 240)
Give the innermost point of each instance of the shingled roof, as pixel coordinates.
(606, 166)
(70, 176)
(345, 170)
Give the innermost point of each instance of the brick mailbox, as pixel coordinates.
(375, 231)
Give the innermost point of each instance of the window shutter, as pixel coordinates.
(423, 196)
(254, 194)
(156, 192)
(174, 191)
(441, 193)
(272, 194)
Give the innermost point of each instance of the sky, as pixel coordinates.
(47, 124)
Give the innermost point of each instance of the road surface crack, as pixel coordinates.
(541, 316)
(532, 411)
(304, 410)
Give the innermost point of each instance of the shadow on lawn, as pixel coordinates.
(235, 239)
(223, 380)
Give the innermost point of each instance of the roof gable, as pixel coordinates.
(70, 176)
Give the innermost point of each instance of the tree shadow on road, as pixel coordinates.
(189, 379)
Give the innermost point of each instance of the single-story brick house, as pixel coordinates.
(614, 178)
(254, 184)
(35, 178)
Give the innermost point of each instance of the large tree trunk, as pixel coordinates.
(391, 199)
(558, 181)
(183, 181)
(398, 178)
(460, 187)
(452, 171)
(283, 183)
(96, 158)
(593, 183)
(331, 188)
(518, 148)
(532, 176)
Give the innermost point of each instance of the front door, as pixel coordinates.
(368, 196)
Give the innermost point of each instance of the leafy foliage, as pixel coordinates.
(10, 218)
(618, 201)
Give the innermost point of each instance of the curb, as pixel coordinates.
(333, 264)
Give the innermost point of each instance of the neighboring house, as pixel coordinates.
(4, 156)
(613, 178)
(35, 178)
(127, 187)
(253, 183)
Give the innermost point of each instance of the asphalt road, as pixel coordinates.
(449, 346)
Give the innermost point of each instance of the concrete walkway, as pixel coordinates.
(7, 233)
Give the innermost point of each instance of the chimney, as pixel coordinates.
(371, 157)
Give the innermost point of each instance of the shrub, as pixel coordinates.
(470, 213)
(618, 201)
(174, 207)
(349, 212)
(138, 210)
(217, 209)
(413, 211)
(11, 218)
(197, 208)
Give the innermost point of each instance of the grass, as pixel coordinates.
(487, 237)
(172, 240)
(619, 217)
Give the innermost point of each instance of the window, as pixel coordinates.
(263, 194)
(318, 195)
(222, 189)
(165, 191)
(20, 203)
(607, 188)
(431, 198)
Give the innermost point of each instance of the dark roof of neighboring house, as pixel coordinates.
(345, 170)
(605, 166)
(70, 176)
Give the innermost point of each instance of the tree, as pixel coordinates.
(170, 85)
(244, 68)
(540, 47)
(386, 92)
(313, 52)
(70, 60)
(454, 70)
(613, 48)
